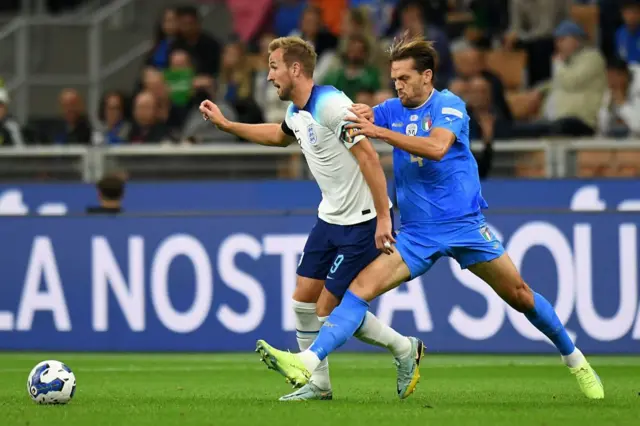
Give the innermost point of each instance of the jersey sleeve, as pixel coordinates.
(381, 115)
(451, 114)
(333, 114)
(286, 129)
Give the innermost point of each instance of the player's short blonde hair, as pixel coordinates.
(416, 48)
(295, 49)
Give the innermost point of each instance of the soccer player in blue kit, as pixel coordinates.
(440, 202)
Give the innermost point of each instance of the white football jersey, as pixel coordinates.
(325, 143)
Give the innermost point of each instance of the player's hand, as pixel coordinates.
(384, 235)
(211, 112)
(364, 110)
(362, 127)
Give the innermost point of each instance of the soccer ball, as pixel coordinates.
(51, 382)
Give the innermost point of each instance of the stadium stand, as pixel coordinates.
(81, 72)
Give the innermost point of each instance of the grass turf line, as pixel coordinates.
(236, 389)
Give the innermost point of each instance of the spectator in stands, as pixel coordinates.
(146, 127)
(628, 36)
(178, 79)
(486, 122)
(432, 12)
(325, 43)
(10, 132)
(110, 193)
(532, 25)
(575, 92)
(471, 63)
(204, 50)
(287, 16)
(114, 116)
(153, 82)
(236, 83)
(413, 23)
(380, 13)
(356, 75)
(165, 37)
(619, 114)
(74, 128)
(357, 22)
(273, 109)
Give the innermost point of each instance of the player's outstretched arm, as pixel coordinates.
(369, 163)
(432, 147)
(269, 134)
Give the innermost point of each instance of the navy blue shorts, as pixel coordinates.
(337, 253)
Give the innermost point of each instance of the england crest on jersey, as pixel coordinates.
(426, 122)
(312, 135)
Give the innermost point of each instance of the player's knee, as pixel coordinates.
(323, 311)
(360, 288)
(521, 297)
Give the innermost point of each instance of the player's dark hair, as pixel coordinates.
(111, 187)
(422, 52)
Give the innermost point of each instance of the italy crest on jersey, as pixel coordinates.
(426, 123)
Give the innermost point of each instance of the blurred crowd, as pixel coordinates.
(526, 69)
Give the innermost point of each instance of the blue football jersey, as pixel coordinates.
(433, 191)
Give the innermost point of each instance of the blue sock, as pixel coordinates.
(544, 318)
(345, 319)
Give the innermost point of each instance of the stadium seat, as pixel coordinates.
(595, 163)
(509, 66)
(588, 16)
(628, 163)
(530, 165)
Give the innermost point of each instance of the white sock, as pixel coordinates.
(307, 327)
(310, 360)
(375, 332)
(574, 359)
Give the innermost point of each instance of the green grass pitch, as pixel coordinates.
(236, 389)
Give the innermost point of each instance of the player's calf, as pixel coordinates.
(519, 296)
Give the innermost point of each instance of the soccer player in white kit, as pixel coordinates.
(354, 223)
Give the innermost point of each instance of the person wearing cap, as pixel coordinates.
(573, 95)
(531, 27)
(10, 133)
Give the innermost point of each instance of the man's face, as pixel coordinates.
(113, 110)
(356, 52)
(618, 79)
(411, 18)
(280, 75)
(412, 86)
(188, 25)
(567, 45)
(70, 106)
(310, 25)
(145, 109)
(479, 94)
(631, 17)
(470, 63)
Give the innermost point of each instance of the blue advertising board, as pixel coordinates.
(301, 195)
(219, 283)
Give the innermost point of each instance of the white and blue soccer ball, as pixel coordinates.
(51, 382)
